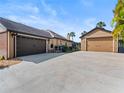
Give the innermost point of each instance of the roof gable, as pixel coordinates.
(97, 32)
(55, 35)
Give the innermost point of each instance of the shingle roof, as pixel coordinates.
(103, 29)
(21, 28)
(55, 35)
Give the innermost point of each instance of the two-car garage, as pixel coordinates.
(28, 46)
(103, 44)
(99, 40)
(22, 40)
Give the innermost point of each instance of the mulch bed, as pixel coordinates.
(7, 63)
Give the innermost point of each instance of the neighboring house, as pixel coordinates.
(58, 40)
(99, 39)
(17, 39)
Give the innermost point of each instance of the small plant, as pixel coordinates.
(2, 58)
(66, 48)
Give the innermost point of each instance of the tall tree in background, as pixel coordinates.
(68, 36)
(72, 34)
(118, 20)
(100, 24)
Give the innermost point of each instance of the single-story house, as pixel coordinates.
(17, 39)
(99, 39)
(58, 40)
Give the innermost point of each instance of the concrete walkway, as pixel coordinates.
(79, 72)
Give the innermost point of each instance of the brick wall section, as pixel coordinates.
(3, 44)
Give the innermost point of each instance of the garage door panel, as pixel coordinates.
(100, 44)
(28, 46)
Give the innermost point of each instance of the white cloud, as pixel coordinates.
(63, 11)
(53, 23)
(89, 23)
(19, 8)
(45, 23)
(29, 14)
(27, 8)
(48, 8)
(87, 3)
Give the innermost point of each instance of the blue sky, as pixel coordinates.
(61, 16)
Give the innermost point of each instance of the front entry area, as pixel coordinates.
(104, 44)
(28, 46)
(121, 46)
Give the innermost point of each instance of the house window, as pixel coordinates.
(51, 46)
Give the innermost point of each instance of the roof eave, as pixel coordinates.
(27, 34)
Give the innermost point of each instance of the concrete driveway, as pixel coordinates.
(40, 57)
(79, 72)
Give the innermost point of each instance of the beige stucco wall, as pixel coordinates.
(3, 44)
(69, 43)
(98, 33)
(83, 44)
(59, 42)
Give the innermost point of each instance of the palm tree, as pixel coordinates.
(72, 34)
(68, 36)
(100, 24)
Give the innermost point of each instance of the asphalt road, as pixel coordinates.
(79, 72)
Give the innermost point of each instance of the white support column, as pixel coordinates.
(8, 40)
(85, 44)
(47, 45)
(15, 41)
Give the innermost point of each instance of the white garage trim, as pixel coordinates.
(32, 36)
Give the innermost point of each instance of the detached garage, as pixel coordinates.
(17, 39)
(29, 46)
(99, 40)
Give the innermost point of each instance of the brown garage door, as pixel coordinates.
(28, 46)
(100, 44)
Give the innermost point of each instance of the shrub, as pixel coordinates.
(66, 49)
(56, 47)
(2, 58)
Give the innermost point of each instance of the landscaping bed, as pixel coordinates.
(7, 63)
